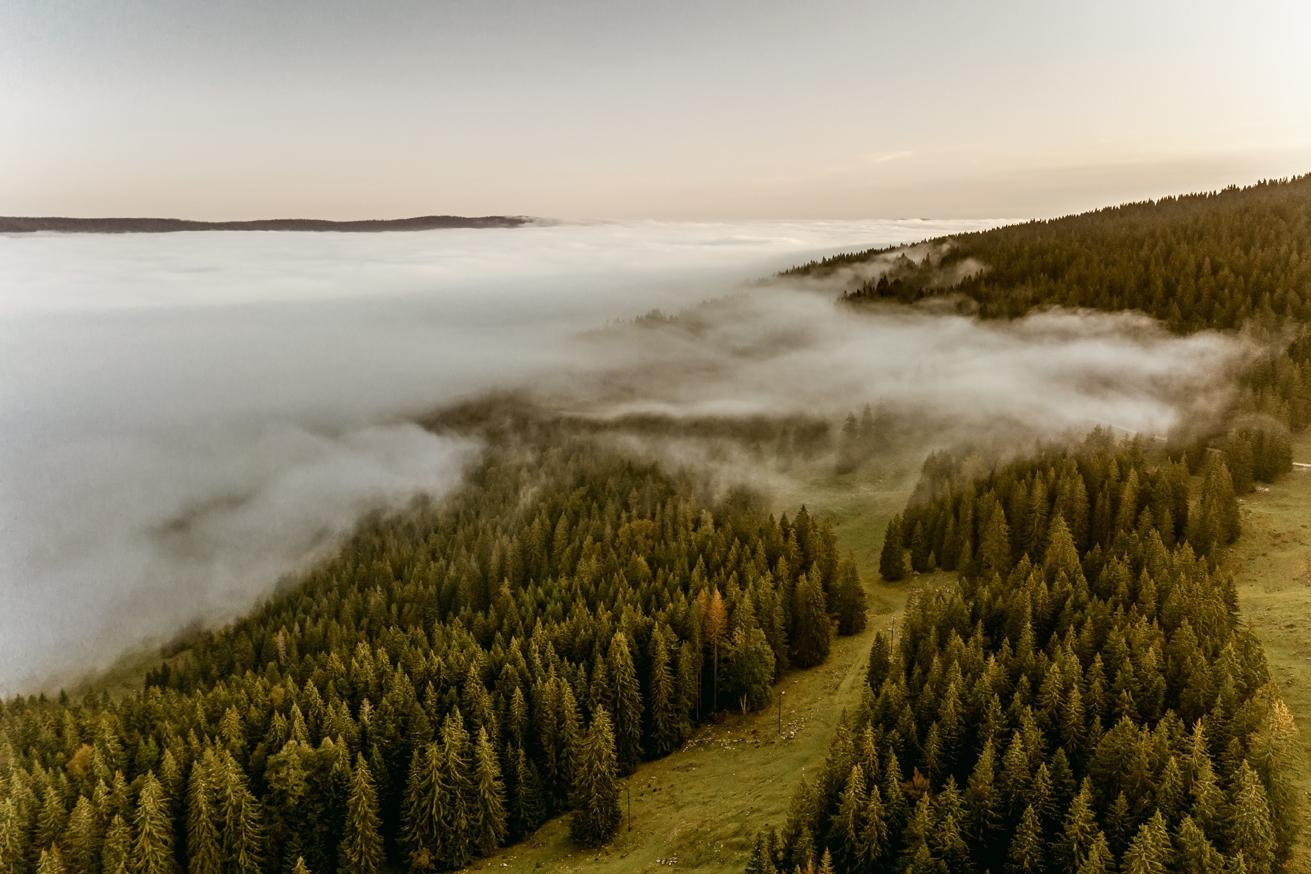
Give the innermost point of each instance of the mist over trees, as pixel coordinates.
(455, 675)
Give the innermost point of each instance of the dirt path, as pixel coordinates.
(698, 809)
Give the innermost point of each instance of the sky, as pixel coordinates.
(230, 109)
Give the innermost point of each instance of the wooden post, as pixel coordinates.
(780, 712)
(628, 791)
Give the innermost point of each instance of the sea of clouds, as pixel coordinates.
(186, 417)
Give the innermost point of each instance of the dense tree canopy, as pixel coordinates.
(1084, 698)
(453, 676)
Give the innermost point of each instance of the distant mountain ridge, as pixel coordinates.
(22, 224)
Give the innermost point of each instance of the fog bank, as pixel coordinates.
(183, 418)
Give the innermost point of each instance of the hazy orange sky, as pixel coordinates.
(243, 109)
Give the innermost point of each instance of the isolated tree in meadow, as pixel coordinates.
(750, 667)
(812, 630)
(361, 846)
(892, 559)
(596, 814)
(849, 600)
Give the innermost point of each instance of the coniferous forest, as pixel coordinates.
(1082, 695)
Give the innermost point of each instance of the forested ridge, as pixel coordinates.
(1086, 699)
(455, 675)
(1233, 259)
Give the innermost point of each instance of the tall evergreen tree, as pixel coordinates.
(596, 786)
(361, 848)
(152, 851)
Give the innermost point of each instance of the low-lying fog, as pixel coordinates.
(185, 417)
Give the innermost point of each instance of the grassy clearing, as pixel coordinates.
(1271, 564)
(698, 808)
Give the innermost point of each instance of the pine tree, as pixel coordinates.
(1081, 831)
(423, 811)
(596, 786)
(51, 861)
(849, 600)
(488, 824)
(1251, 831)
(892, 559)
(152, 852)
(242, 833)
(361, 847)
(1196, 854)
(663, 711)
(995, 545)
(116, 855)
(1149, 851)
(1099, 859)
(82, 839)
(204, 855)
(812, 632)
(50, 820)
(1026, 851)
(627, 704)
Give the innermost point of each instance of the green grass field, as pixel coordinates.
(1271, 564)
(698, 808)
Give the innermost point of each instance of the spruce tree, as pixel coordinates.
(663, 708)
(1251, 831)
(204, 855)
(361, 846)
(152, 851)
(82, 839)
(1026, 850)
(627, 704)
(1149, 851)
(892, 558)
(596, 786)
(423, 809)
(812, 630)
(51, 861)
(488, 823)
(116, 854)
(849, 600)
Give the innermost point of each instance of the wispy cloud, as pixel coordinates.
(886, 157)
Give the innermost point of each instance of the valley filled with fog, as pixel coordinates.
(184, 418)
